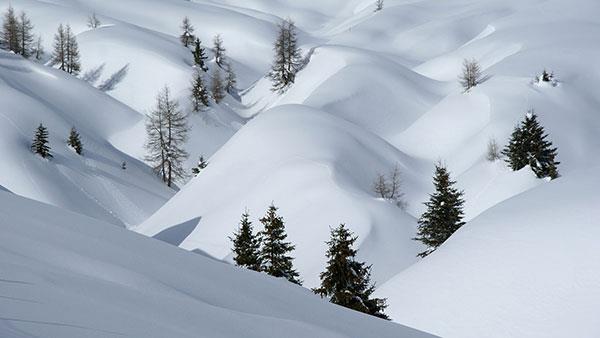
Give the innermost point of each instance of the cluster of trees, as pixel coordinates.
(345, 281)
(17, 35)
(41, 144)
(66, 50)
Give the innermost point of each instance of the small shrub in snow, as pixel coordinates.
(124, 165)
(388, 187)
(200, 166)
(40, 144)
(471, 74)
(546, 78)
(345, 281)
(378, 5)
(93, 22)
(493, 151)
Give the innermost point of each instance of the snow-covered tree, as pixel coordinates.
(230, 79)
(199, 92)
(378, 5)
(345, 281)
(38, 50)
(187, 35)
(40, 144)
(167, 130)
(9, 39)
(26, 37)
(200, 166)
(74, 141)
(66, 50)
(93, 22)
(444, 214)
(274, 253)
(199, 55)
(493, 151)
(529, 146)
(219, 51)
(217, 88)
(288, 57)
(246, 245)
(471, 74)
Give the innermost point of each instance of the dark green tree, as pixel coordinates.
(40, 144)
(201, 165)
(444, 214)
(199, 93)
(529, 146)
(345, 281)
(246, 245)
(199, 55)
(274, 252)
(74, 141)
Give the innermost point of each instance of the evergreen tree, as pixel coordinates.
(230, 79)
(529, 146)
(345, 281)
(38, 51)
(187, 36)
(288, 57)
(200, 55)
(167, 132)
(219, 51)
(246, 245)
(10, 31)
(199, 95)
(74, 141)
(217, 88)
(444, 214)
(200, 166)
(26, 38)
(274, 252)
(40, 144)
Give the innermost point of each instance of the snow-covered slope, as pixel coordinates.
(65, 275)
(93, 184)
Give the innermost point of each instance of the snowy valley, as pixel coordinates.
(375, 101)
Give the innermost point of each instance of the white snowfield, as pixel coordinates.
(378, 90)
(67, 275)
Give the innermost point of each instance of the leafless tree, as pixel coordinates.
(471, 74)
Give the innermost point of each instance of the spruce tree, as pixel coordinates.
(444, 214)
(246, 245)
(26, 38)
(40, 144)
(199, 93)
(74, 141)
(200, 166)
(288, 57)
(187, 36)
(217, 88)
(274, 253)
(200, 56)
(529, 146)
(10, 31)
(219, 51)
(346, 281)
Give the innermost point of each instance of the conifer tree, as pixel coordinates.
(199, 95)
(10, 31)
(38, 51)
(59, 56)
(444, 214)
(200, 55)
(167, 130)
(246, 245)
(219, 51)
(217, 88)
(73, 65)
(274, 253)
(288, 57)
(529, 146)
(40, 144)
(26, 38)
(187, 36)
(74, 141)
(346, 281)
(200, 166)
(230, 79)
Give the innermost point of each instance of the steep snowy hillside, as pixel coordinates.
(65, 275)
(93, 184)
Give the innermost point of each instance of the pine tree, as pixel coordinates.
(219, 51)
(230, 79)
(444, 214)
(528, 146)
(200, 166)
(26, 38)
(40, 144)
(200, 56)
(74, 141)
(288, 57)
(274, 251)
(199, 93)
(345, 281)
(246, 245)
(471, 75)
(10, 31)
(217, 88)
(187, 36)
(93, 22)
(167, 132)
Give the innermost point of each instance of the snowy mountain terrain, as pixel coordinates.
(377, 90)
